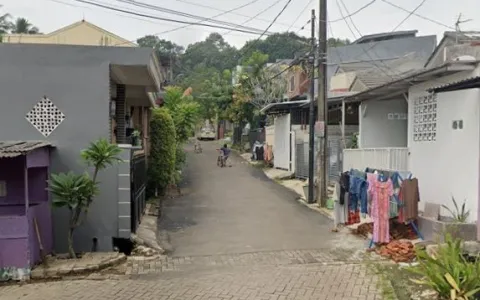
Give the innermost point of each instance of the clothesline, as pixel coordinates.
(378, 193)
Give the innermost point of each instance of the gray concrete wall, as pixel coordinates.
(79, 86)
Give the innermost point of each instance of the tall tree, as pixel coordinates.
(168, 52)
(338, 42)
(214, 52)
(277, 46)
(5, 23)
(22, 25)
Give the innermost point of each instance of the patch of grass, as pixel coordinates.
(395, 282)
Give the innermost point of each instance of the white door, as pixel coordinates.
(281, 147)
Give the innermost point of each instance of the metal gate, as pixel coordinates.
(138, 183)
(281, 147)
(334, 158)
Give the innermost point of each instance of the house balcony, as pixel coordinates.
(388, 159)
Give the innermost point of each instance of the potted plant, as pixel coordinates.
(136, 138)
(456, 224)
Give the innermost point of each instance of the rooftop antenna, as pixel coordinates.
(457, 26)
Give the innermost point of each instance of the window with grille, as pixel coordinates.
(425, 118)
(292, 83)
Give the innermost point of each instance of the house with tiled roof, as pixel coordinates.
(425, 123)
(371, 60)
(79, 33)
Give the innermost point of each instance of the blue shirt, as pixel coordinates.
(226, 151)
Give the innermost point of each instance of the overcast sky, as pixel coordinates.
(50, 15)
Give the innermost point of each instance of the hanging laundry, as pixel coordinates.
(409, 197)
(344, 186)
(358, 194)
(371, 178)
(341, 208)
(353, 217)
(382, 192)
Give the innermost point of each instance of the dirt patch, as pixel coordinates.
(396, 282)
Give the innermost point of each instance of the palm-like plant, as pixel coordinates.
(460, 215)
(22, 25)
(5, 23)
(77, 191)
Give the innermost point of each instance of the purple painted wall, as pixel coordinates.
(38, 158)
(14, 242)
(18, 237)
(42, 212)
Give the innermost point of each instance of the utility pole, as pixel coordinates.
(311, 120)
(322, 106)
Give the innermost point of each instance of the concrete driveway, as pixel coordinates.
(238, 209)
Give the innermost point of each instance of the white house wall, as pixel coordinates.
(383, 123)
(449, 165)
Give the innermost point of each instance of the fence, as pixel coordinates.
(378, 158)
(334, 158)
(138, 183)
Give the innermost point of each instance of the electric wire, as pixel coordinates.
(251, 18)
(186, 15)
(418, 15)
(125, 16)
(300, 14)
(162, 18)
(252, 44)
(372, 61)
(233, 13)
(211, 18)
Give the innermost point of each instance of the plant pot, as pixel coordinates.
(435, 230)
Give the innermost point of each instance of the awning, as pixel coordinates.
(469, 83)
(280, 107)
(400, 86)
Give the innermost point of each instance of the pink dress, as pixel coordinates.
(381, 193)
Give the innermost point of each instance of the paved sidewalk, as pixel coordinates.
(314, 281)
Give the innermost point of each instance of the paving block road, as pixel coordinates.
(234, 235)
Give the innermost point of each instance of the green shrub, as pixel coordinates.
(449, 273)
(76, 192)
(162, 162)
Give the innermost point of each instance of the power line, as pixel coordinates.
(354, 13)
(218, 15)
(409, 15)
(266, 30)
(187, 15)
(300, 14)
(161, 18)
(418, 15)
(371, 48)
(233, 13)
(251, 18)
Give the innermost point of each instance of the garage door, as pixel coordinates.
(281, 148)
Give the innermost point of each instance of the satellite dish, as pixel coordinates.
(465, 58)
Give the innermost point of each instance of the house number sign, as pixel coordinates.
(397, 116)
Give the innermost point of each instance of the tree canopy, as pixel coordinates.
(19, 25)
(208, 67)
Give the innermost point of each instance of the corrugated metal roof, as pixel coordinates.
(388, 71)
(467, 83)
(10, 149)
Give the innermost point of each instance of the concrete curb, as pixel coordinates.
(46, 273)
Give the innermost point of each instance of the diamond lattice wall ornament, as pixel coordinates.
(45, 116)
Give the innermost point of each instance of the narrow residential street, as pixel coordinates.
(234, 234)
